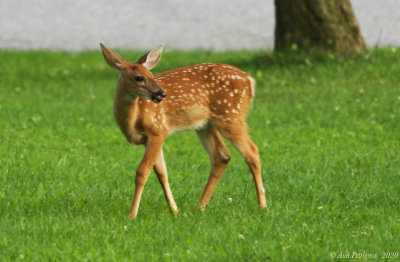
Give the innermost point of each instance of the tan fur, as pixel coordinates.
(208, 98)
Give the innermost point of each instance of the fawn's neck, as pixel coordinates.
(125, 113)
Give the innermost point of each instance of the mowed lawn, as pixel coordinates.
(328, 131)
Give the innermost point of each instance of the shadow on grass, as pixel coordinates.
(269, 59)
(264, 60)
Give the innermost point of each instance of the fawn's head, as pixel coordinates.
(137, 76)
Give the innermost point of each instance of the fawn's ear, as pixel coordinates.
(112, 58)
(150, 59)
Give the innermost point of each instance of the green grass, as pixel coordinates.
(329, 138)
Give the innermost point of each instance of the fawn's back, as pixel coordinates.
(198, 93)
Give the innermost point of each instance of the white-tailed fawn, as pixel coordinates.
(211, 99)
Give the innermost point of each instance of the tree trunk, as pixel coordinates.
(323, 24)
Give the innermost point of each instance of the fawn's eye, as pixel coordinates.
(139, 78)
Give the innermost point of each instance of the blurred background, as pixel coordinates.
(180, 24)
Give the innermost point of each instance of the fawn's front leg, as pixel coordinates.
(153, 147)
(161, 171)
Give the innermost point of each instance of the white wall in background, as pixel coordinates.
(180, 24)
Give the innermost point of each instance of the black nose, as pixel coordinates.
(159, 96)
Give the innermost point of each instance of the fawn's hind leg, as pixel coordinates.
(240, 139)
(219, 158)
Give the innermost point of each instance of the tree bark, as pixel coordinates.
(322, 24)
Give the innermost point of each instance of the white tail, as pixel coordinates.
(211, 99)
